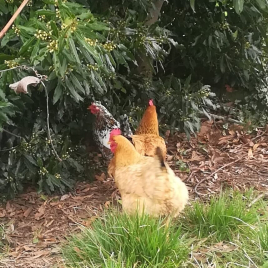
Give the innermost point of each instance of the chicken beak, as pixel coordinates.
(90, 107)
(109, 142)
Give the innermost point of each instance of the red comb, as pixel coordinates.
(115, 132)
(151, 102)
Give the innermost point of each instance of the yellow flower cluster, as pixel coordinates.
(247, 45)
(168, 92)
(91, 41)
(93, 67)
(43, 171)
(10, 179)
(58, 176)
(42, 17)
(72, 26)
(11, 63)
(109, 46)
(16, 30)
(42, 35)
(65, 156)
(53, 46)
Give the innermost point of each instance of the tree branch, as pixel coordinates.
(48, 127)
(15, 15)
(154, 12)
(224, 118)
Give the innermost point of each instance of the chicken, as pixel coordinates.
(146, 138)
(103, 125)
(146, 144)
(149, 121)
(146, 183)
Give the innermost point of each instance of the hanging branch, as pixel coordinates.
(48, 127)
(17, 136)
(15, 15)
(21, 86)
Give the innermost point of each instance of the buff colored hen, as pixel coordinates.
(146, 183)
(146, 138)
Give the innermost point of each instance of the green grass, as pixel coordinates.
(263, 237)
(222, 218)
(225, 232)
(119, 240)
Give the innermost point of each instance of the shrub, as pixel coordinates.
(94, 51)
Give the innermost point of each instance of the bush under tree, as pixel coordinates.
(121, 53)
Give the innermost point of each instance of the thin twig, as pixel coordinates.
(257, 199)
(6, 150)
(217, 170)
(2, 71)
(254, 170)
(190, 176)
(11, 133)
(15, 15)
(258, 136)
(214, 116)
(48, 127)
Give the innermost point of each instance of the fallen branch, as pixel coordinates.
(257, 199)
(229, 164)
(224, 118)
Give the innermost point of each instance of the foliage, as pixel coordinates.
(221, 42)
(92, 50)
(128, 241)
(182, 104)
(85, 57)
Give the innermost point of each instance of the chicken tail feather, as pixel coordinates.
(160, 157)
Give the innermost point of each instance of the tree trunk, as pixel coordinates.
(144, 63)
(154, 12)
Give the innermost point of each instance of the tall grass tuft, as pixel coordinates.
(263, 237)
(221, 218)
(120, 240)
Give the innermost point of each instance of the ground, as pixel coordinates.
(214, 159)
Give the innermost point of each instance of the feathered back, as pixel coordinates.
(149, 121)
(125, 126)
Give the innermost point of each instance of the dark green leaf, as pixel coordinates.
(27, 45)
(49, 183)
(30, 159)
(73, 92)
(238, 5)
(98, 26)
(57, 93)
(192, 4)
(76, 83)
(35, 49)
(73, 49)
